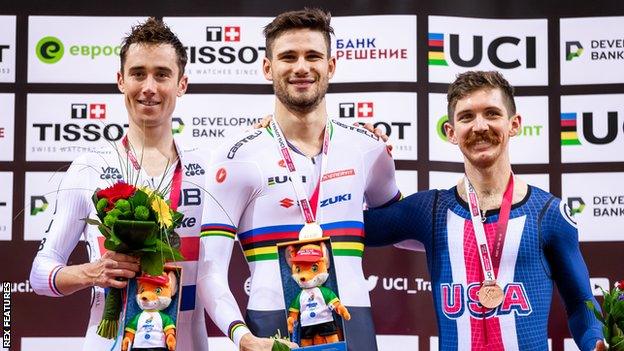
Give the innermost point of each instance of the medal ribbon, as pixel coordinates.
(309, 209)
(176, 182)
(488, 262)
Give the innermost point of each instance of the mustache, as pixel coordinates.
(488, 136)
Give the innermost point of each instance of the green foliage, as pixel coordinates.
(141, 213)
(611, 317)
(101, 205)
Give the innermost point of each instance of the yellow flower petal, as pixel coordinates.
(162, 212)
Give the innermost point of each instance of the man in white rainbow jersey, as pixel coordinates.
(303, 169)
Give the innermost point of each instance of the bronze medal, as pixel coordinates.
(490, 296)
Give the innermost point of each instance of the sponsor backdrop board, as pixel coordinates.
(7, 49)
(591, 50)
(57, 103)
(7, 122)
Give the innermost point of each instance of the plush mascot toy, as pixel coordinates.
(315, 303)
(152, 329)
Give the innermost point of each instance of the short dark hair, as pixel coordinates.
(154, 32)
(471, 81)
(308, 18)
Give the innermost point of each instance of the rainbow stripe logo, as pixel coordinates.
(569, 135)
(436, 50)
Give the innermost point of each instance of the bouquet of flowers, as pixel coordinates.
(612, 316)
(135, 221)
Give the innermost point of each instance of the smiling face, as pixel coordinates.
(300, 69)
(482, 127)
(151, 82)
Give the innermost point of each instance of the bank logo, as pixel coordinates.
(569, 128)
(177, 125)
(49, 50)
(359, 109)
(366, 49)
(38, 204)
(576, 205)
(93, 111)
(226, 33)
(573, 49)
(474, 56)
(436, 50)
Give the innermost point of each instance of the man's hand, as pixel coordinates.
(266, 120)
(600, 346)
(251, 343)
(377, 132)
(112, 265)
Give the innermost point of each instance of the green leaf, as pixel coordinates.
(138, 199)
(279, 346)
(617, 343)
(168, 253)
(590, 305)
(617, 311)
(151, 263)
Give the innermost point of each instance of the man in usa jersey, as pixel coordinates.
(494, 244)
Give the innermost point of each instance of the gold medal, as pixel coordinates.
(311, 231)
(490, 295)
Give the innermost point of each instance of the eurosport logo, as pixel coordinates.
(529, 146)
(517, 48)
(590, 47)
(371, 44)
(223, 49)
(51, 50)
(7, 48)
(592, 128)
(62, 126)
(393, 113)
(6, 206)
(596, 202)
(74, 45)
(353, 109)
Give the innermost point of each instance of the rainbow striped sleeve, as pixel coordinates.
(218, 229)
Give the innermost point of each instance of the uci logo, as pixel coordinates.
(570, 128)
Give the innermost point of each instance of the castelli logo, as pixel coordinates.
(221, 174)
(281, 163)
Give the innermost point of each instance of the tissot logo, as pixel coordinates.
(570, 128)
(2, 48)
(367, 49)
(110, 173)
(193, 169)
(80, 113)
(38, 204)
(359, 109)
(473, 54)
(573, 49)
(227, 33)
(93, 111)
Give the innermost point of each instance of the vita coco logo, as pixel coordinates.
(456, 298)
(531, 130)
(51, 50)
(570, 128)
(599, 50)
(437, 55)
(366, 49)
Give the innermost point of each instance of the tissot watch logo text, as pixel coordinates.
(470, 51)
(355, 109)
(367, 49)
(81, 127)
(227, 33)
(224, 46)
(91, 111)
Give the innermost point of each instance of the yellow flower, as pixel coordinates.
(162, 211)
